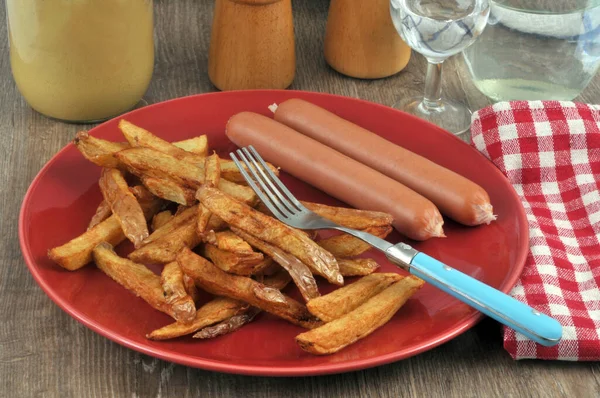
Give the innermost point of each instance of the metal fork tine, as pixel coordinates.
(282, 188)
(263, 197)
(253, 168)
(273, 189)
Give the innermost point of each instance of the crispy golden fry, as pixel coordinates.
(228, 325)
(360, 322)
(212, 279)
(212, 171)
(146, 162)
(99, 151)
(175, 293)
(191, 288)
(102, 213)
(175, 222)
(216, 310)
(133, 276)
(299, 271)
(139, 137)
(228, 241)
(357, 266)
(78, 252)
(169, 190)
(351, 218)
(161, 219)
(231, 262)
(347, 298)
(124, 205)
(272, 231)
(230, 171)
(345, 245)
(197, 145)
(164, 249)
(203, 219)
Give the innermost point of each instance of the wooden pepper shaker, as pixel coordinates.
(361, 41)
(252, 45)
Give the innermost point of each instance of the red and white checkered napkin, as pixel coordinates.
(550, 152)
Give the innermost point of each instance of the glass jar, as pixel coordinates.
(536, 49)
(81, 60)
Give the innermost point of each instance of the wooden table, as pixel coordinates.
(44, 352)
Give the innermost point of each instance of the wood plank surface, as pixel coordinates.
(45, 353)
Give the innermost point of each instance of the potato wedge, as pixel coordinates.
(99, 151)
(175, 293)
(103, 211)
(124, 205)
(272, 231)
(191, 288)
(164, 249)
(161, 219)
(212, 279)
(232, 262)
(212, 171)
(169, 190)
(139, 137)
(360, 322)
(228, 325)
(230, 171)
(217, 310)
(175, 222)
(133, 276)
(351, 218)
(299, 271)
(229, 241)
(78, 251)
(345, 245)
(357, 266)
(197, 145)
(347, 298)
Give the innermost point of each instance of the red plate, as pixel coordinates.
(64, 195)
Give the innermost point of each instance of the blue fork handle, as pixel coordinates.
(503, 308)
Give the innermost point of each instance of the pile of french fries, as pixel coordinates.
(192, 212)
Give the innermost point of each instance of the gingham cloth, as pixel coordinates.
(550, 152)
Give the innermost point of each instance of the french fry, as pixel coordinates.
(230, 171)
(161, 219)
(212, 279)
(347, 298)
(175, 293)
(217, 310)
(357, 266)
(78, 251)
(169, 190)
(232, 262)
(229, 241)
(99, 151)
(214, 311)
(212, 171)
(175, 222)
(197, 145)
(299, 271)
(351, 218)
(204, 217)
(102, 213)
(124, 205)
(133, 276)
(139, 137)
(272, 231)
(228, 325)
(190, 288)
(146, 162)
(345, 245)
(360, 322)
(164, 249)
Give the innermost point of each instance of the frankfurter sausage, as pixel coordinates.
(336, 174)
(455, 196)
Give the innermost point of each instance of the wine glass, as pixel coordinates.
(438, 29)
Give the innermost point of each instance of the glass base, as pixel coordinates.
(452, 116)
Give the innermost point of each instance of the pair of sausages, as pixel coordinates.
(362, 169)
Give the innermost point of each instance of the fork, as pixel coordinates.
(492, 302)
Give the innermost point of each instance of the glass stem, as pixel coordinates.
(432, 99)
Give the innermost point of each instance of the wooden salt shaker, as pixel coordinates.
(252, 45)
(361, 41)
